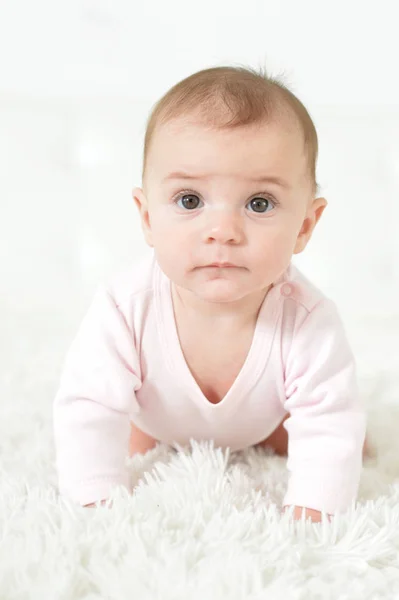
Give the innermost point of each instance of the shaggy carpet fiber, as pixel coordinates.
(202, 522)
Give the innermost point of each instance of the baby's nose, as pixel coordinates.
(224, 225)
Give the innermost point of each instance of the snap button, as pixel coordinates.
(286, 289)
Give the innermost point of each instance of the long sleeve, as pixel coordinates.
(93, 403)
(327, 426)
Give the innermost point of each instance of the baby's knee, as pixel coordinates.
(140, 442)
(277, 440)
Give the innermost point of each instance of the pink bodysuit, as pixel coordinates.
(126, 364)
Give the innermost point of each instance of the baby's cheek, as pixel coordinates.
(274, 253)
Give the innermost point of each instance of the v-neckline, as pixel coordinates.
(176, 363)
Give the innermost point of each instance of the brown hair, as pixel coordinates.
(250, 96)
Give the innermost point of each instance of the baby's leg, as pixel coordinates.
(140, 442)
(278, 440)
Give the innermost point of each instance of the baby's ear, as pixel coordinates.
(141, 203)
(319, 204)
(313, 215)
(139, 198)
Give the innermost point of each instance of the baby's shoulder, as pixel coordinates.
(306, 311)
(131, 283)
(302, 291)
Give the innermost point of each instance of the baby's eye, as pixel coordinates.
(189, 201)
(260, 205)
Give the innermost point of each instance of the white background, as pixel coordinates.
(77, 81)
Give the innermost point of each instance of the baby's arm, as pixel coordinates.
(327, 424)
(91, 412)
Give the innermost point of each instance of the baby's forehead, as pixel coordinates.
(193, 141)
(284, 121)
(280, 140)
(259, 143)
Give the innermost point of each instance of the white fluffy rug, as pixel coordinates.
(200, 525)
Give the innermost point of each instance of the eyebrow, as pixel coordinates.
(263, 179)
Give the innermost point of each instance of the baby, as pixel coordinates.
(217, 335)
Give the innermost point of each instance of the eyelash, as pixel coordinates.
(263, 195)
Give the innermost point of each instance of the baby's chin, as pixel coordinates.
(220, 290)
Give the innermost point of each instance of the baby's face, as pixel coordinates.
(207, 199)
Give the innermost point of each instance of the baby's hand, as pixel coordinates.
(93, 504)
(314, 515)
